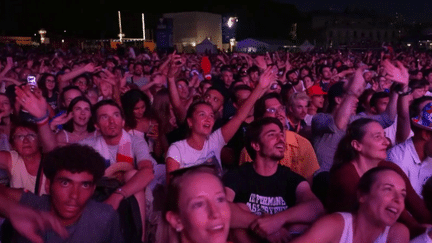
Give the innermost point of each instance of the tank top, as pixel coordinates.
(20, 178)
(347, 234)
(67, 136)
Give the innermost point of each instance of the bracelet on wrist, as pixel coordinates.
(43, 122)
(42, 118)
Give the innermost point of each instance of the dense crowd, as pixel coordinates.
(130, 145)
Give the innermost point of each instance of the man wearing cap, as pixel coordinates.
(316, 95)
(414, 155)
(329, 128)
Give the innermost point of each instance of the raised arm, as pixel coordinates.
(398, 74)
(349, 101)
(9, 65)
(38, 107)
(63, 79)
(230, 128)
(174, 68)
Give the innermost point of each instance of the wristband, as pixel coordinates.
(37, 120)
(401, 93)
(43, 122)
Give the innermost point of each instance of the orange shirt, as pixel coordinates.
(299, 155)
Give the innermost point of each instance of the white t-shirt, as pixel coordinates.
(140, 149)
(406, 157)
(187, 156)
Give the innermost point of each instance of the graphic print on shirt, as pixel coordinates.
(262, 204)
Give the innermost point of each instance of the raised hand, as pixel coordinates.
(260, 62)
(175, 64)
(268, 77)
(91, 68)
(357, 85)
(9, 63)
(398, 73)
(62, 119)
(34, 103)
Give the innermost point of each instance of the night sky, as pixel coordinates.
(98, 19)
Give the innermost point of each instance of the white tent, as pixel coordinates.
(252, 46)
(306, 46)
(206, 46)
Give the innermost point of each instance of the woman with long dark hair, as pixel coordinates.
(139, 120)
(49, 87)
(80, 125)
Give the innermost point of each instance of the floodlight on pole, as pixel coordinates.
(143, 26)
(42, 33)
(120, 35)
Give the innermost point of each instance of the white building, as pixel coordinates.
(191, 28)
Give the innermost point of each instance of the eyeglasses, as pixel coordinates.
(279, 109)
(30, 137)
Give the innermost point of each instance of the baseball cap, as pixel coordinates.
(315, 90)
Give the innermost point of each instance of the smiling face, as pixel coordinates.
(204, 214)
(373, 145)
(386, 199)
(202, 120)
(69, 194)
(271, 142)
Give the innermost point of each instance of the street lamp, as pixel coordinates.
(42, 33)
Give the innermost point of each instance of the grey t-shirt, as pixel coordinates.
(99, 223)
(326, 135)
